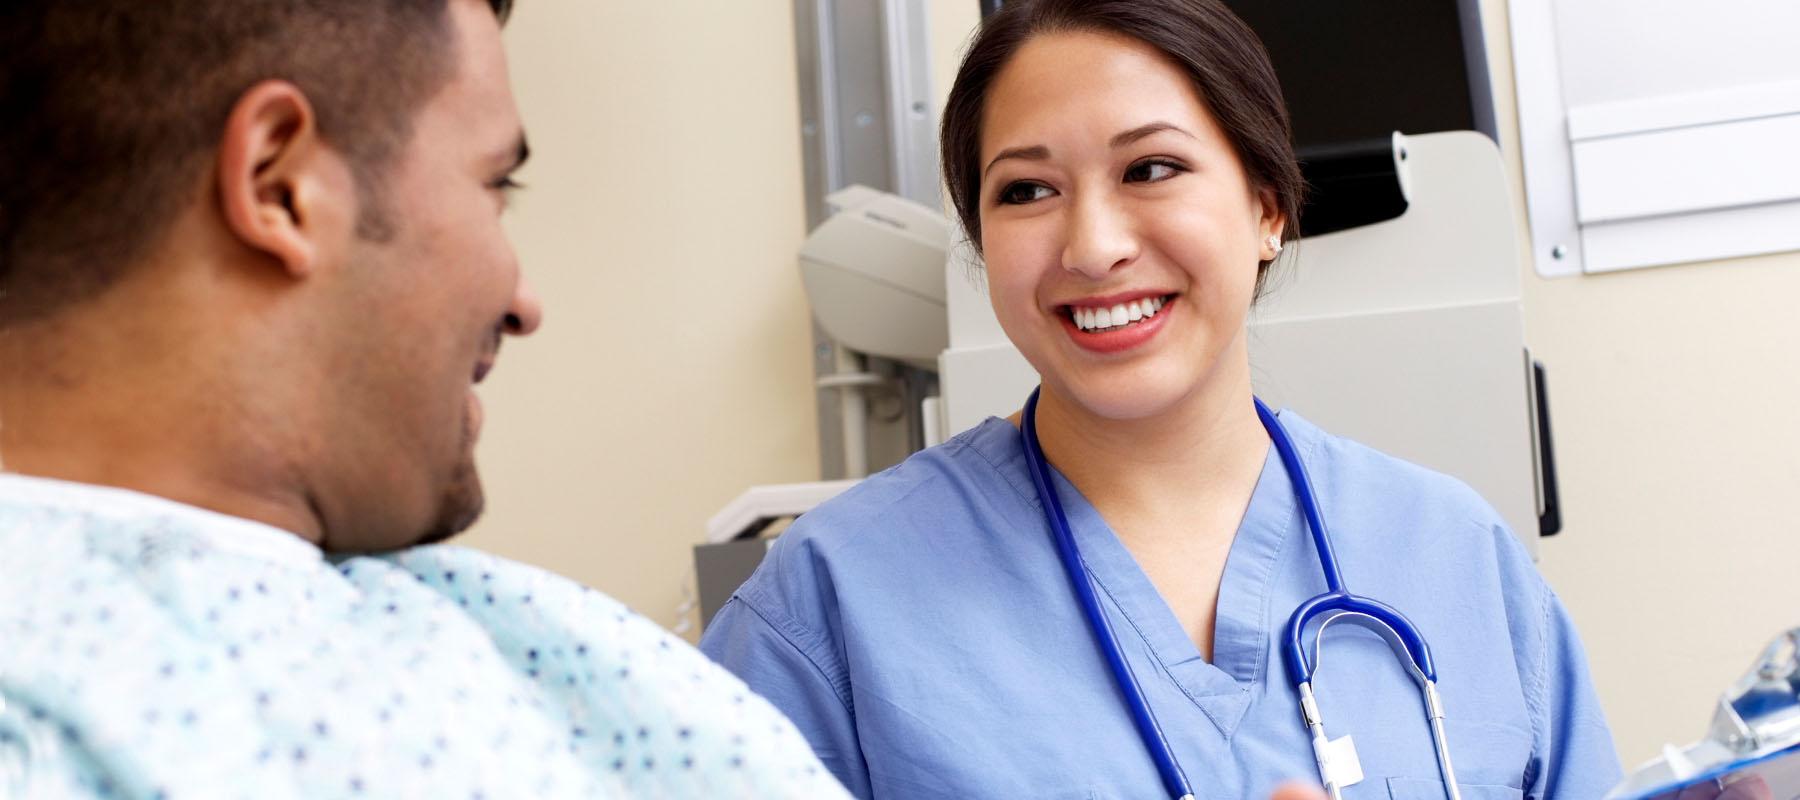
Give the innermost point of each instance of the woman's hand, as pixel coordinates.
(1294, 790)
(1750, 787)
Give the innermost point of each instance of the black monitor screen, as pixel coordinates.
(1360, 69)
(1355, 71)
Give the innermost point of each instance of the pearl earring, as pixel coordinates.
(1275, 243)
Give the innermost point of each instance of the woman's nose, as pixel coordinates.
(1100, 238)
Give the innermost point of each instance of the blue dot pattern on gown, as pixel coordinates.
(150, 649)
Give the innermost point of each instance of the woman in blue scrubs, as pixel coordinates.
(1124, 167)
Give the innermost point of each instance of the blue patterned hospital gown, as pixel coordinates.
(150, 649)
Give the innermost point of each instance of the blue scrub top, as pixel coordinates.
(920, 631)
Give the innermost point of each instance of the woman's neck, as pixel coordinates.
(1198, 459)
(1172, 485)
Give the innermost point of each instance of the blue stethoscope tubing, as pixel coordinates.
(1336, 603)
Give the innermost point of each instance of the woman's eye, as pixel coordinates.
(1023, 192)
(1152, 171)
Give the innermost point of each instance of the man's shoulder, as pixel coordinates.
(494, 590)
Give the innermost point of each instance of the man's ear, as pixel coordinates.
(282, 190)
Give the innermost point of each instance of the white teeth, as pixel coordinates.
(1093, 319)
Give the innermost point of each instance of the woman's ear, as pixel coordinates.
(1271, 223)
(282, 190)
(1273, 220)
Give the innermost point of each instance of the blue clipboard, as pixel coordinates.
(1751, 752)
(1771, 777)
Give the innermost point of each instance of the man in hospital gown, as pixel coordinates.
(250, 268)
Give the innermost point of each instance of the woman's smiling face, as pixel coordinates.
(1121, 234)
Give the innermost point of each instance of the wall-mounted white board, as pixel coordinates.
(1657, 131)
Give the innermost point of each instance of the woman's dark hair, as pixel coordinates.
(1221, 56)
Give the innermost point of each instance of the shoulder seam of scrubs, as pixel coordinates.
(1020, 486)
(1537, 697)
(786, 628)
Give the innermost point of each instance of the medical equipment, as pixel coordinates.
(733, 549)
(1754, 739)
(1337, 760)
(874, 274)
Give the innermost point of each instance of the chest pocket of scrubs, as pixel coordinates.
(1487, 757)
(1422, 789)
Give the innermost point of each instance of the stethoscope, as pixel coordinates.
(1337, 760)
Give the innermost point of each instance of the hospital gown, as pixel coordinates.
(921, 632)
(150, 649)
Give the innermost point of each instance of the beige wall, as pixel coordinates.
(662, 212)
(1677, 454)
(660, 226)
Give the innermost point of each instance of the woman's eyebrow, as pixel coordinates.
(1142, 131)
(1036, 152)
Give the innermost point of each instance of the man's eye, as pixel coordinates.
(1152, 171)
(1023, 192)
(506, 186)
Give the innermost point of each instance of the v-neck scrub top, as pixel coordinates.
(921, 632)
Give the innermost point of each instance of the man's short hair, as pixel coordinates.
(109, 110)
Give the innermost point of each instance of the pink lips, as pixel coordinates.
(1123, 339)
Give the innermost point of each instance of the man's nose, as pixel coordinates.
(525, 313)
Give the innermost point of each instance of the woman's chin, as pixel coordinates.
(1123, 401)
